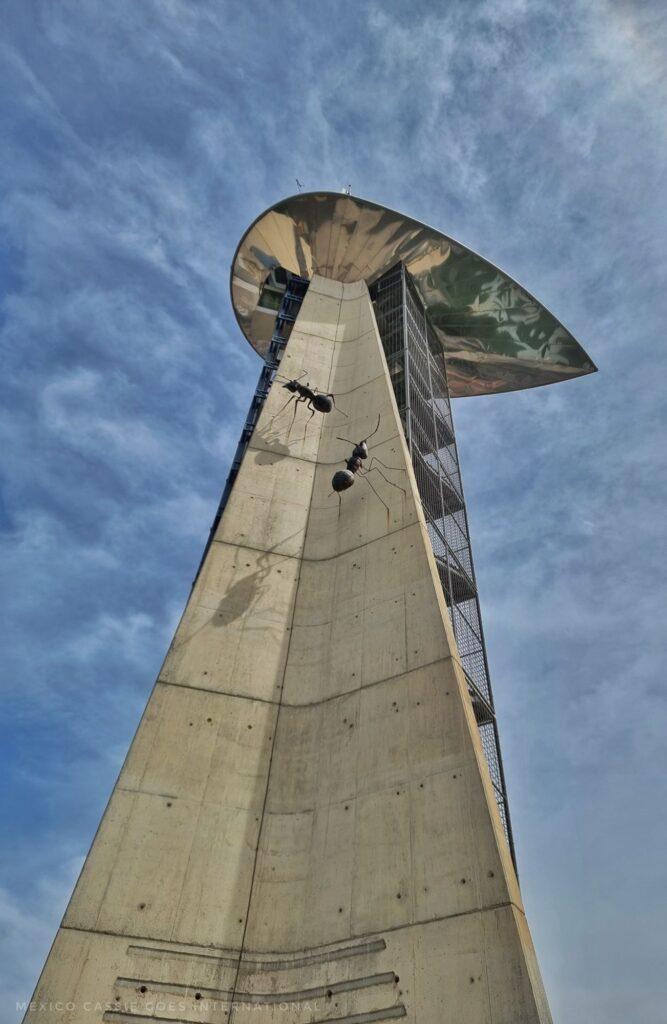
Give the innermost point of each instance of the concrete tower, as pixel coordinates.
(311, 822)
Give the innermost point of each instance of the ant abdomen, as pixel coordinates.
(342, 479)
(323, 403)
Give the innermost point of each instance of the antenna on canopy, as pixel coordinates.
(298, 184)
(346, 190)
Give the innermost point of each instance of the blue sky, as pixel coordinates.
(139, 140)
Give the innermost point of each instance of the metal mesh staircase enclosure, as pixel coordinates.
(418, 373)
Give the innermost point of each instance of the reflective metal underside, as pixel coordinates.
(496, 336)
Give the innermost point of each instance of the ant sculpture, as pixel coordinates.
(316, 401)
(344, 478)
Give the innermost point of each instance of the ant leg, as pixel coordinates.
(294, 416)
(365, 477)
(333, 399)
(339, 500)
(374, 458)
(312, 413)
(282, 409)
(376, 470)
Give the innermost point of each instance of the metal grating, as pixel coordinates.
(417, 368)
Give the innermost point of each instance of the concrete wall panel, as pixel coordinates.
(242, 603)
(305, 819)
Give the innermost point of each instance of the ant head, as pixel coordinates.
(360, 450)
(292, 385)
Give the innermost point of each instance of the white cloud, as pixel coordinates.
(27, 926)
(145, 139)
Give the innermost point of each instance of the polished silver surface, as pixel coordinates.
(496, 336)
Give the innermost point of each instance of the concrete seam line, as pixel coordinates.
(275, 735)
(325, 558)
(386, 931)
(312, 703)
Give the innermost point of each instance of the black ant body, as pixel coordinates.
(316, 401)
(344, 478)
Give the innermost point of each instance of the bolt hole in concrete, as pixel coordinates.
(142, 906)
(396, 979)
(197, 995)
(168, 803)
(329, 993)
(143, 989)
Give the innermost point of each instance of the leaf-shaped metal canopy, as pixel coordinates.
(496, 336)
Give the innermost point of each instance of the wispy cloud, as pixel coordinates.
(139, 141)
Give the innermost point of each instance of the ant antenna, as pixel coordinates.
(280, 376)
(375, 431)
(363, 441)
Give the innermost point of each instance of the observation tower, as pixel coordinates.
(312, 820)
